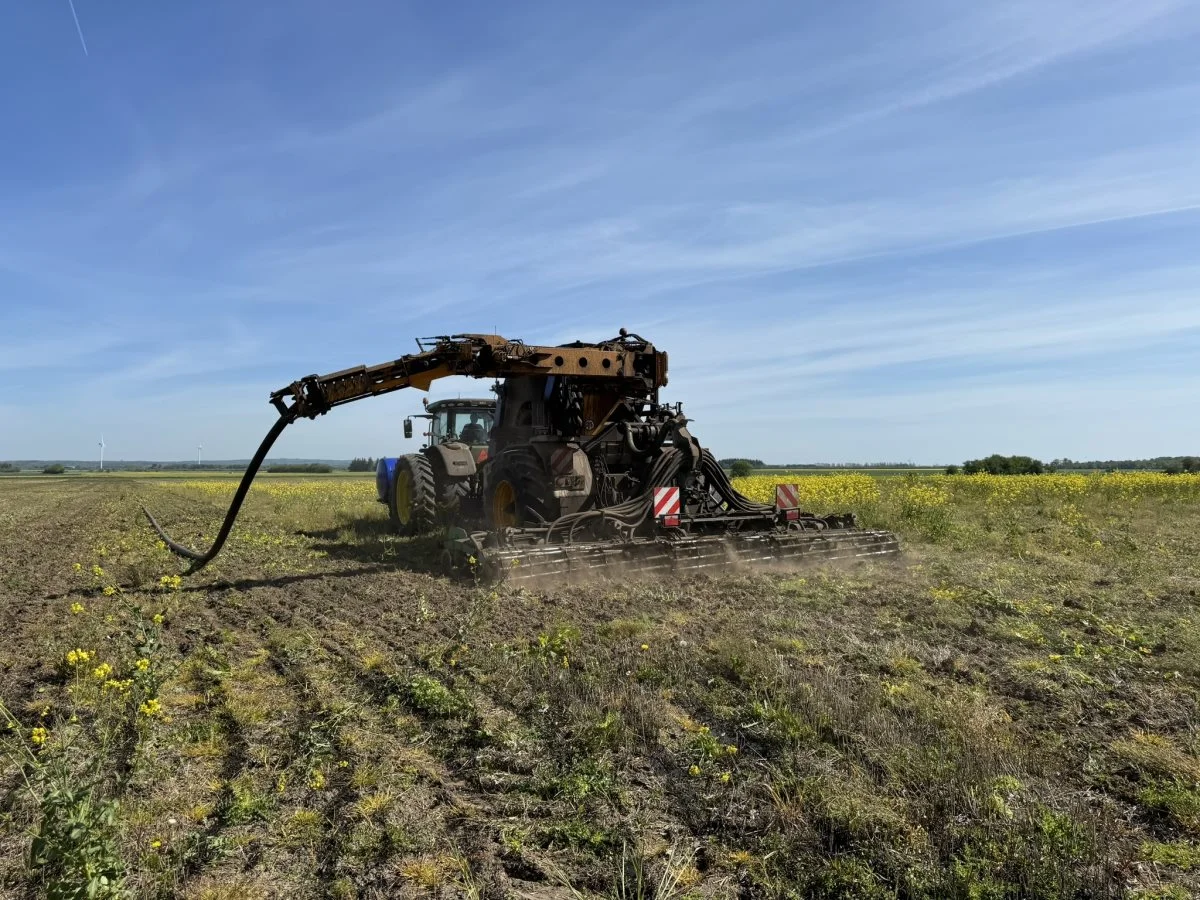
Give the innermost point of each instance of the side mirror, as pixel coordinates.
(408, 428)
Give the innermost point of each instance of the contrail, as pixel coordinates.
(75, 16)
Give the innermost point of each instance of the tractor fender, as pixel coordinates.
(456, 459)
(385, 473)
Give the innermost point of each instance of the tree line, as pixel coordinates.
(996, 464)
(1164, 463)
(1000, 465)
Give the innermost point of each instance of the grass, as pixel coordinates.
(1007, 710)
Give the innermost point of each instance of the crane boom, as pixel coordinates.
(626, 357)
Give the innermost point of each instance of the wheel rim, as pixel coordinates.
(504, 505)
(404, 496)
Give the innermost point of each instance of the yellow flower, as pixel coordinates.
(317, 780)
(77, 608)
(161, 545)
(142, 665)
(155, 844)
(158, 618)
(78, 567)
(123, 685)
(109, 590)
(77, 656)
(731, 749)
(150, 708)
(645, 647)
(102, 671)
(694, 771)
(342, 764)
(170, 582)
(97, 572)
(38, 736)
(725, 777)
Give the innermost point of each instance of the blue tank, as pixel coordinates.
(385, 471)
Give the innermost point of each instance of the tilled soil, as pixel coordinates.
(337, 721)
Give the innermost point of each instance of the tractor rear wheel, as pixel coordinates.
(519, 492)
(413, 500)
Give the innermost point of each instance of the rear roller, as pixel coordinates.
(677, 554)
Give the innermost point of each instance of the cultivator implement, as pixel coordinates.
(677, 555)
(707, 527)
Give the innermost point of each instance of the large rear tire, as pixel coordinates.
(413, 500)
(519, 492)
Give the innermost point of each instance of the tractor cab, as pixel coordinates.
(466, 421)
(452, 423)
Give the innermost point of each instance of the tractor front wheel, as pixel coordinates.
(413, 500)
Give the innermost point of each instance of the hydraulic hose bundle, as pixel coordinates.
(665, 471)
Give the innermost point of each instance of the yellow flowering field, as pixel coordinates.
(818, 493)
(335, 489)
(1074, 508)
(830, 493)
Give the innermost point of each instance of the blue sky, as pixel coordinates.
(864, 231)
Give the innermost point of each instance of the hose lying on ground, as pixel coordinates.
(200, 560)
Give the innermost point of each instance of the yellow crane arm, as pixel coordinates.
(476, 356)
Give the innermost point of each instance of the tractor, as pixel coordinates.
(423, 490)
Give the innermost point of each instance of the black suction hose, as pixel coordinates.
(200, 560)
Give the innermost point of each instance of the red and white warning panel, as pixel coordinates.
(787, 496)
(666, 506)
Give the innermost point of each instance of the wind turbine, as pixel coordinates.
(199, 447)
(101, 452)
